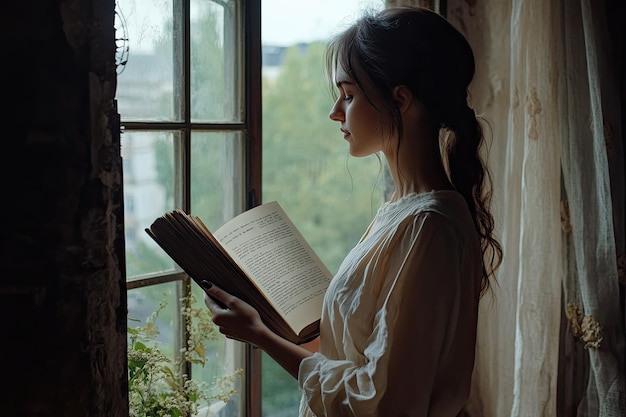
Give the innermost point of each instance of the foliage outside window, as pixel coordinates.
(157, 385)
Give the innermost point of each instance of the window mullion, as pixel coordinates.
(182, 152)
(252, 116)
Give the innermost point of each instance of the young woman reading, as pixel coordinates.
(398, 327)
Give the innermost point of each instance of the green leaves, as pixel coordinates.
(156, 386)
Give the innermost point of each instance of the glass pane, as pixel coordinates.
(149, 191)
(145, 85)
(279, 390)
(215, 63)
(330, 196)
(222, 370)
(157, 305)
(217, 179)
(154, 324)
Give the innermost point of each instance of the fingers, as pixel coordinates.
(215, 298)
(235, 318)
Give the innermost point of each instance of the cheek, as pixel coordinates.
(386, 129)
(365, 116)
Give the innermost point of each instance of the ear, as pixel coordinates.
(403, 97)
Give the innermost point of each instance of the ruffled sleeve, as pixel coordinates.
(417, 348)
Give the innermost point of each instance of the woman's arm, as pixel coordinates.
(238, 320)
(312, 346)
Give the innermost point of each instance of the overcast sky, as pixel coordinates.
(285, 22)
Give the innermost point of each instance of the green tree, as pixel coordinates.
(306, 166)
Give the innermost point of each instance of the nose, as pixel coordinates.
(336, 112)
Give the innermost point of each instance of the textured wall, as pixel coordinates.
(62, 298)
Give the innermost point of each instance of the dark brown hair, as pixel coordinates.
(419, 49)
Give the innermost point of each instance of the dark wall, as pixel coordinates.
(62, 293)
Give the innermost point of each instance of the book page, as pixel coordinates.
(269, 248)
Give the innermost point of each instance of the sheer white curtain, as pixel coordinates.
(591, 136)
(516, 91)
(544, 83)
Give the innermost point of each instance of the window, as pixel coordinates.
(189, 141)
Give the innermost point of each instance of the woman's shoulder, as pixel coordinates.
(437, 210)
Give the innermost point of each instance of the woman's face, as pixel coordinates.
(360, 121)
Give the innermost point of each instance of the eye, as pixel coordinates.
(347, 97)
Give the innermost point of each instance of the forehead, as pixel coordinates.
(340, 75)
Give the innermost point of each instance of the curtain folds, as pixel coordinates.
(551, 337)
(591, 283)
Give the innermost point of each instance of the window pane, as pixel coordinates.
(222, 371)
(154, 321)
(145, 86)
(157, 304)
(216, 176)
(149, 192)
(215, 63)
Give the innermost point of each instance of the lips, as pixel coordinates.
(345, 133)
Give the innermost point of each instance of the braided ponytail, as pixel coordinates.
(472, 180)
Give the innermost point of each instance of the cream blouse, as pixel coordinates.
(398, 325)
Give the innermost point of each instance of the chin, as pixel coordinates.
(360, 153)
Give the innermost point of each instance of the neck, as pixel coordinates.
(415, 165)
(414, 157)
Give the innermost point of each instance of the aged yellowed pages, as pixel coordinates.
(260, 257)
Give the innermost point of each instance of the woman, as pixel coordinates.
(398, 326)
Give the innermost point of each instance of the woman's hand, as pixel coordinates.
(238, 320)
(235, 318)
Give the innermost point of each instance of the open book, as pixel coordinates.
(260, 257)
